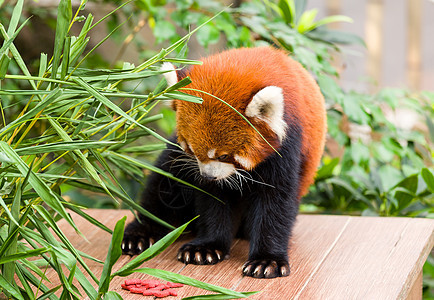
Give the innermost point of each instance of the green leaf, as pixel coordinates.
(113, 254)
(4, 64)
(164, 30)
(65, 60)
(112, 295)
(10, 288)
(183, 82)
(64, 146)
(208, 35)
(15, 18)
(8, 41)
(218, 296)
(101, 98)
(183, 96)
(326, 170)
(152, 251)
(333, 19)
(40, 187)
(173, 277)
(390, 176)
(306, 21)
(64, 15)
(21, 255)
(428, 177)
(54, 95)
(288, 11)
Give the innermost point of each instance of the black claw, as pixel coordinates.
(199, 255)
(266, 268)
(134, 244)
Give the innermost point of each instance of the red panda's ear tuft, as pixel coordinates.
(268, 105)
(170, 73)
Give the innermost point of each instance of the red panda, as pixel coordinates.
(259, 177)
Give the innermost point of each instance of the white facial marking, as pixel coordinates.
(217, 170)
(170, 76)
(244, 161)
(190, 147)
(211, 153)
(183, 145)
(268, 105)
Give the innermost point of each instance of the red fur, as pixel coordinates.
(236, 76)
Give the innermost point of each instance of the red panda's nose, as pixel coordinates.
(208, 177)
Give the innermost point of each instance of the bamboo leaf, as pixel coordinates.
(219, 296)
(152, 251)
(101, 98)
(10, 288)
(173, 277)
(82, 160)
(37, 282)
(15, 18)
(65, 60)
(40, 187)
(64, 15)
(114, 252)
(54, 94)
(64, 146)
(21, 255)
(183, 96)
(49, 293)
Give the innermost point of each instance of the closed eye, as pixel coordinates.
(223, 158)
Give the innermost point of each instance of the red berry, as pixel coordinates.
(174, 285)
(132, 281)
(149, 292)
(162, 294)
(172, 292)
(137, 290)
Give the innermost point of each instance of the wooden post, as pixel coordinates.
(415, 292)
(374, 38)
(334, 8)
(414, 29)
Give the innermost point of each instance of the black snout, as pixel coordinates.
(208, 177)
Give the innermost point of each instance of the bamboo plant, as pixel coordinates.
(73, 127)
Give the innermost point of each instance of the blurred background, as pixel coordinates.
(398, 35)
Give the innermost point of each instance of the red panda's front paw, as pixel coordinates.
(266, 268)
(135, 244)
(200, 255)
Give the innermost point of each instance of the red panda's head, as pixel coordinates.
(220, 139)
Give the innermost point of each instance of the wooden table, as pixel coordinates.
(331, 257)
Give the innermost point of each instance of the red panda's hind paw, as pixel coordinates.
(266, 268)
(200, 255)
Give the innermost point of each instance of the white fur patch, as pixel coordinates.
(216, 169)
(170, 76)
(183, 145)
(190, 147)
(268, 105)
(211, 153)
(244, 161)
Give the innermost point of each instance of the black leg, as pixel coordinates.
(215, 230)
(270, 227)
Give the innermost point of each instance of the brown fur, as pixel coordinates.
(226, 75)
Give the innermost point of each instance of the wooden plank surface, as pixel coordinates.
(331, 257)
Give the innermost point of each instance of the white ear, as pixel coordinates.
(268, 105)
(170, 73)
